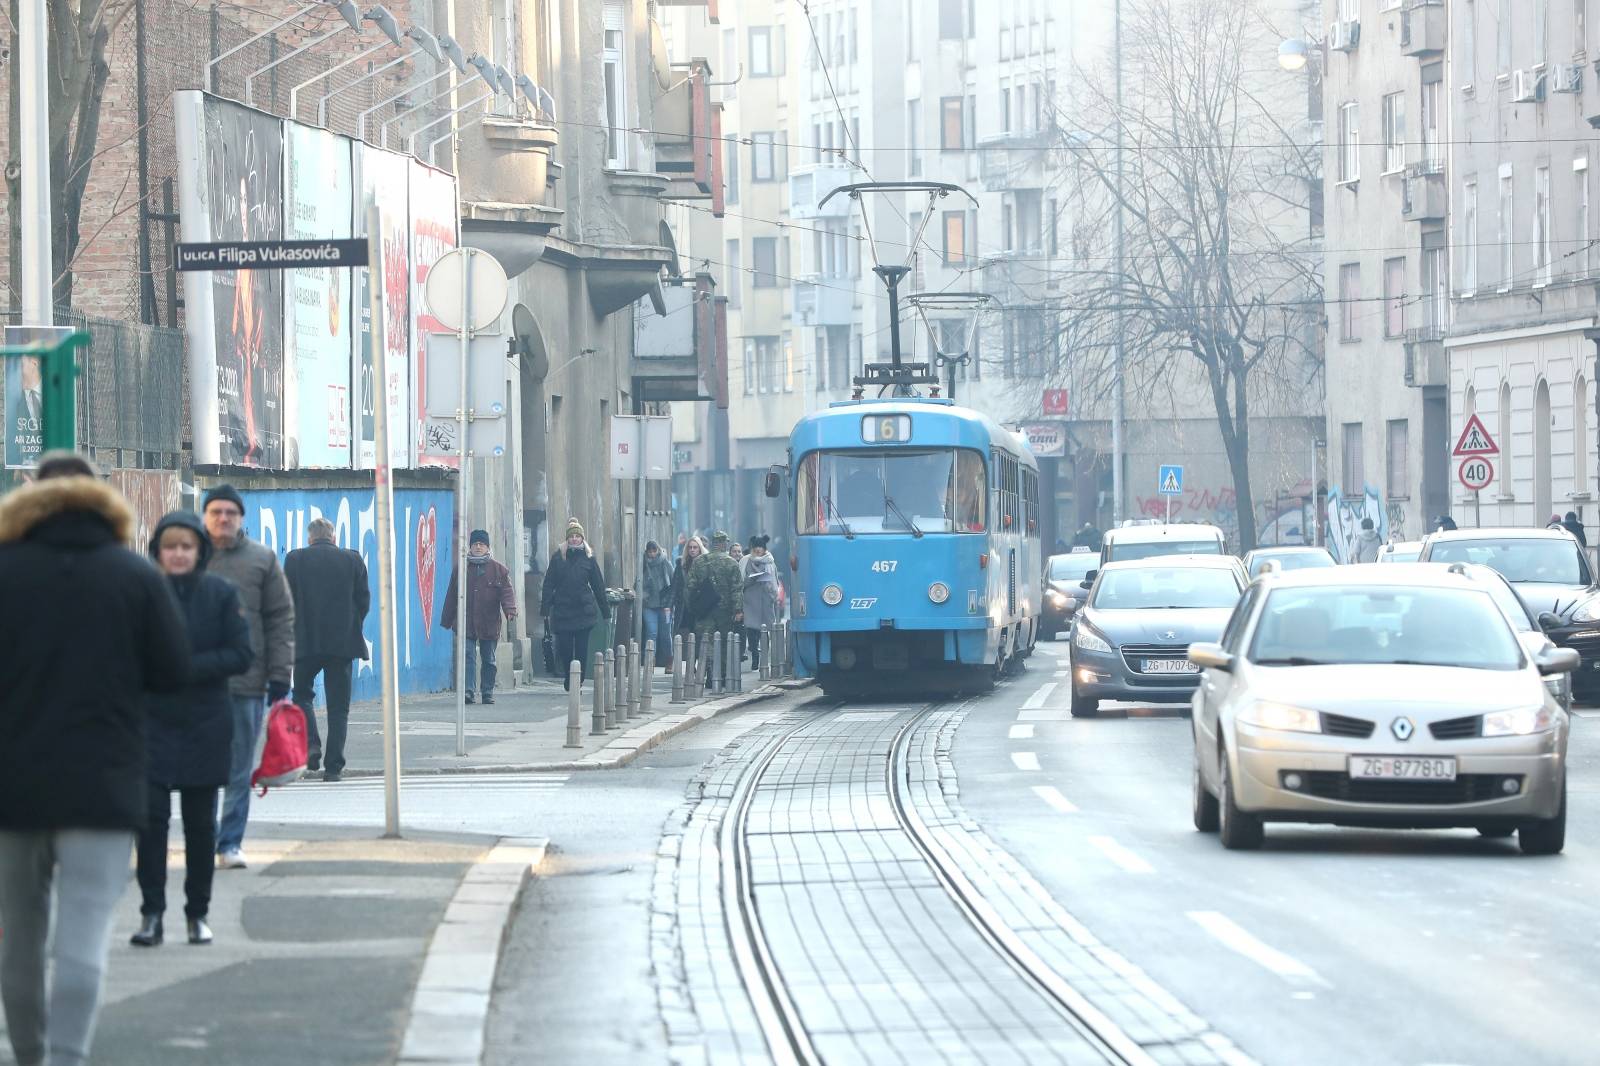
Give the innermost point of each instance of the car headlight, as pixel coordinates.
(1518, 723)
(832, 595)
(1588, 611)
(1088, 639)
(1265, 715)
(1055, 598)
(938, 592)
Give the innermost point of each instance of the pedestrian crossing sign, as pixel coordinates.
(1170, 481)
(1475, 440)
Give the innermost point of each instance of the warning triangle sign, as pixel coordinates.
(1475, 440)
(1169, 484)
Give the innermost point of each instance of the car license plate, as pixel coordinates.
(1169, 666)
(1402, 768)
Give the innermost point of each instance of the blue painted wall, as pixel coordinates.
(423, 520)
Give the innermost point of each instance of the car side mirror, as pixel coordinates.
(1549, 620)
(1557, 661)
(1088, 579)
(774, 483)
(1211, 657)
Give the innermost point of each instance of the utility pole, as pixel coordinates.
(1116, 370)
(33, 119)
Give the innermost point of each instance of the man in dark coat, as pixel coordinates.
(88, 631)
(574, 600)
(190, 738)
(331, 599)
(1575, 527)
(489, 593)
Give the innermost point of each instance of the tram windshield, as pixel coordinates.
(899, 490)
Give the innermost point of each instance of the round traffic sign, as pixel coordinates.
(444, 292)
(1475, 472)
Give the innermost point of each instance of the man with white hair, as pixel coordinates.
(331, 598)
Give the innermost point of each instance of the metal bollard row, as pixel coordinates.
(574, 705)
(598, 725)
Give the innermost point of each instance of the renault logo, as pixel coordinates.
(1402, 728)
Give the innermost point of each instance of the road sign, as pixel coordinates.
(486, 396)
(442, 292)
(641, 446)
(1475, 440)
(1055, 401)
(1475, 472)
(271, 255)
(1047, 440)
(1169, 482)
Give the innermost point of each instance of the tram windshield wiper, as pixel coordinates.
(833, 509)
(890, 505)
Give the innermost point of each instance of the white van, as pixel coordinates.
(1142, 542)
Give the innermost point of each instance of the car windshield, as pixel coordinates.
(1162, 587)
(891, 490)
(1291, 561)
(1150, 549)
(1384, 624)
(1073, 567)
(1550, 561)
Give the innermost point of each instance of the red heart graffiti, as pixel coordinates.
(427, 558)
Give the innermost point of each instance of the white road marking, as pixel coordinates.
(1232, 936)
(1035, 701)
(1021, 732)
(1121, 856)
(1052, 795)
(1025, 760)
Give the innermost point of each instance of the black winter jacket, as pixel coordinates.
(87, 631)
(331, 600)
(574, 595)
(190, 734)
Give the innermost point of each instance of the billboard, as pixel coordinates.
(385, 179)
(230, 185)
(318, 330)
(433, 233)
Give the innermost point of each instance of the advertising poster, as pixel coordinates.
(317, 402)
(433, 233)
(384, 182)
(423, 519)
(24, 397)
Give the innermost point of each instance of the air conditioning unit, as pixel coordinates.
(1345, 35)
(1566, 78)
(1527, 86)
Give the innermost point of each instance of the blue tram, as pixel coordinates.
(917, 553)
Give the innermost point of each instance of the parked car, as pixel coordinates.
(1148, 541)
(1063, 591)
(1287, 558)
(1400, 551)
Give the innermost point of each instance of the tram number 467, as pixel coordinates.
(884, 566)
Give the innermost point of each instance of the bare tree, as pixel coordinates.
(1221, 283)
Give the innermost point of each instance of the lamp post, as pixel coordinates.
(33, 120)
(379, 16)
(1117, 443)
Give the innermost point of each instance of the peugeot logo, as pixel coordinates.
(1171, 634)
(1402, 728)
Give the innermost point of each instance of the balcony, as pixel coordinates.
(820, 301)
(810, 184)
(676, 353)
(688, 136)
(1423, 192)
(1426, 365)
(1009, 160)
(1423, 24)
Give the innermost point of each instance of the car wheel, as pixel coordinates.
(1206, 811)
(1548, 835)
(1084, 706)
(1495, 832)
(1239, 831)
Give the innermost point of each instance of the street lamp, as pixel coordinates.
(352, 17)
(426, 43)
(378, 16)
(1293, 55)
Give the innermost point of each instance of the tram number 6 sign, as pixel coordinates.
(1476, 472)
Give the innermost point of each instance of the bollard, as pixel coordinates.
(677, 668)
(619, 691)
(764, 672)
(608, 670)
(574, 705)
(598, 726)
(633, 679)
(738, 662)
(785, 661)
(647, 696)
(692, 681)
(716, 663)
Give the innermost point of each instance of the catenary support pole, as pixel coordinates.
(383, 510)
(574, 705)
(463, 523)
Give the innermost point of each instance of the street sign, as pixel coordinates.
(1475, 472)
(641, 447)
(442, 292)
(486, 396)
(1169, 482)
(1047, 440)
(1475, 440)
(1055, 401)
(271, 255)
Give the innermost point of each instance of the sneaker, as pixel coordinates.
(232, 859)
(331, 775)
(471, 698)
(488, 697)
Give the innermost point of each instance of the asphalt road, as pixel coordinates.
(1330, 945)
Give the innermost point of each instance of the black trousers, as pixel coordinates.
(199, 809)
(752, 644)
(336, 685)
(572, 644)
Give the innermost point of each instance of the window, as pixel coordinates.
(1434, 298)
(730, 61)
(748, 367)
(1354, 473)
(1398, 487)
(955, 237)
(1394, 285)
(1052, 228)
(763, 364)
(1503, 38)
(1504, 424)
(761, 65)
(914, 135)
(730, 156)
(1580, 437)
(1349, 10)
(1349, 141)
(1008, 241)
(1541, 32)
(1468, 238)
(734, 279)
(1349, 294)
(788, 365)
(1507, 261)
(764, 260)
(1469, 43)
(763, 161)
(952, 20)
(1582, 262)
(1541, 226)
(1030, 223)
(1394, 132)
(1432, 114)
(952, 123)
(1005, 107)
(615, 73)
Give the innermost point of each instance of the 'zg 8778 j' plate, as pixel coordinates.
(1402, 768)
(1169, 666)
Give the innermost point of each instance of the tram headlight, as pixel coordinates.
(832, 595)
(938, 592)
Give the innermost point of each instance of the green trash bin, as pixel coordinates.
(604, 633)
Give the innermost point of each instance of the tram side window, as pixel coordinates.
(1007, 490)
(968, 490)
(1030, 499)
(810, 517)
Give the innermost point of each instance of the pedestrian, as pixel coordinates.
(656, 585)
(1088, 537)
(1575, 527)
(1367, 544)
(682, 616)
(253, 569)
(760, 604)
(189, 739)
(331, 600)
(1444, 524)
(489, 595)
(1555, 523)
(715, 593)
(90, 630)
(574, 600)
(677, 554)
(736, 553)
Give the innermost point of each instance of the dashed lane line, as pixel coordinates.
(1052, 795)
(1021, 732)
(1120, 855)
(1234, 937)
(1035, 701)
(1025, 760)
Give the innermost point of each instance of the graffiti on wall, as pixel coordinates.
(1344, 519)
(278, 518)
(1217, 506)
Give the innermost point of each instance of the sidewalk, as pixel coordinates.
(525, 729)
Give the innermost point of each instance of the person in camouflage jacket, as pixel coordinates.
(717, 572)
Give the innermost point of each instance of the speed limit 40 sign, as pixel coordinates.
(1475, 472)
